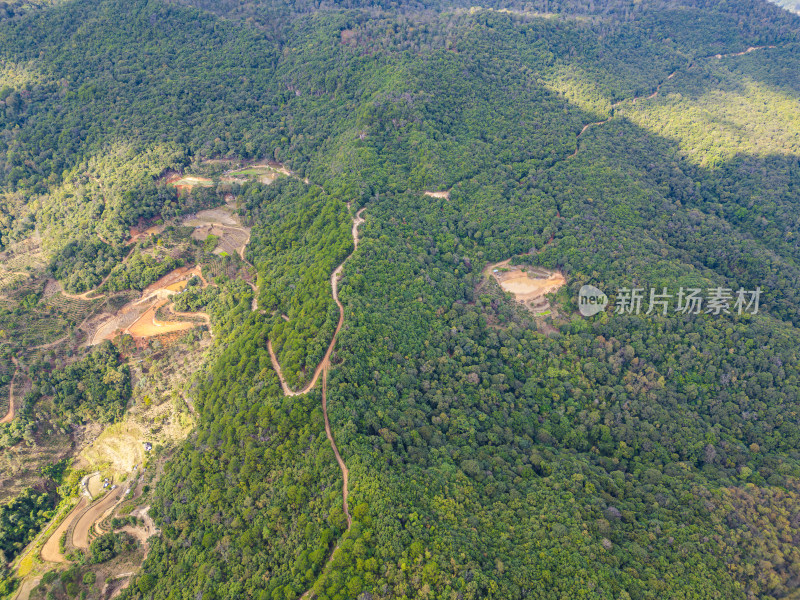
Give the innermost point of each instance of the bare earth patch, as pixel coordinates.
(138, 318)
(529, 285)
(19, 259)
(189, 181)
(223, 223)
(137, 234)
(148, 326)
(445, 195)
(526, 288)
(221, 215)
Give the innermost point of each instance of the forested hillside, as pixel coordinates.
(491, 453)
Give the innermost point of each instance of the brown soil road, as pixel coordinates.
(342, 466)
(335, 290)
(190, 315)
(80, 536)
(27, 587)
(322, 368)
(49, 345)
(329, 433)
(658, 87)
(10, 414)
(142, 532)
(742, 53)
(487, 271)
(50, 551)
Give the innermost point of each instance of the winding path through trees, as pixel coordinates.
(658, 89)
(325, 359)
(322, 369)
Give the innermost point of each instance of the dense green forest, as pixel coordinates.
(301, 235)
(139, 271)
(491, 454)
(21, 519)
(94, 389)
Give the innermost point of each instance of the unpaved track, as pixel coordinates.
(658, 88)
(199, 315)
(49, 345)
(148, 326)
(27, 587)
(10, 414)
(342, 466)
(585, 128)
(80, 537)
(322, 368)
(325, 359)
(50, 551)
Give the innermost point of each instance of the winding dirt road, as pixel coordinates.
(80, 536)
(322, 369)
(329, 433)
(85, 295)
(325, 359)
(50, 550)
(658, 88)
(191, 315)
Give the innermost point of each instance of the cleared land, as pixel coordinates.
(120, 447)
(262, 173)
(94, 484)
(148, 326)
(10, 414)
(526, 288)
(19, 260)
(188, 182)
(221, 215)
(138, 318)
(145, 531)
(137, 235)
(225, 225)
(445, 195)
(529, 285)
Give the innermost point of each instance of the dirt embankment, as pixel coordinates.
(50, 551)
(80, 536)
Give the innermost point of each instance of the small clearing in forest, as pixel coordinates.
(529, 285)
